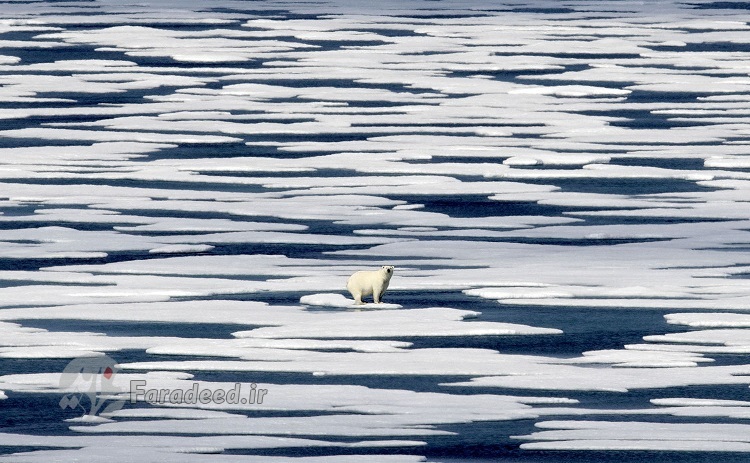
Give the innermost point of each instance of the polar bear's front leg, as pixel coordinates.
(377, 293)
(382, 293)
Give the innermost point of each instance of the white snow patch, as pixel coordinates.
(622, 379)
(437, 321)
(691, 402)
(181, 249)
(524, 292)
(710, 320)
(571, 91)
(47, 352)
(635, 435)
(640, 359)
(89, 419)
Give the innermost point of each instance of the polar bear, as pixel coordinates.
(367, 282)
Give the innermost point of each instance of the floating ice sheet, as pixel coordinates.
(177, 449)
(710, 320)
(341, 301)
(609, 435)
(181, 249)
(400, 323)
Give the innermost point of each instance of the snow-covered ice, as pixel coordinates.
(607, 435)
(186, 187)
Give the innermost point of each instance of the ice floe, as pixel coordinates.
(611, 435)
(340, 301)
(181, 249)
(402, 323)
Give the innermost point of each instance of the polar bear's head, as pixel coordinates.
(387, 269)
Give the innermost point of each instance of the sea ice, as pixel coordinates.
(598, 148)
(634, 435)
(340, 301)
(181, 249)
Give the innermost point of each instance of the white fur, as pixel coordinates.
(370, 282)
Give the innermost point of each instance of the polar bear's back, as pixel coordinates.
(362, 281)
